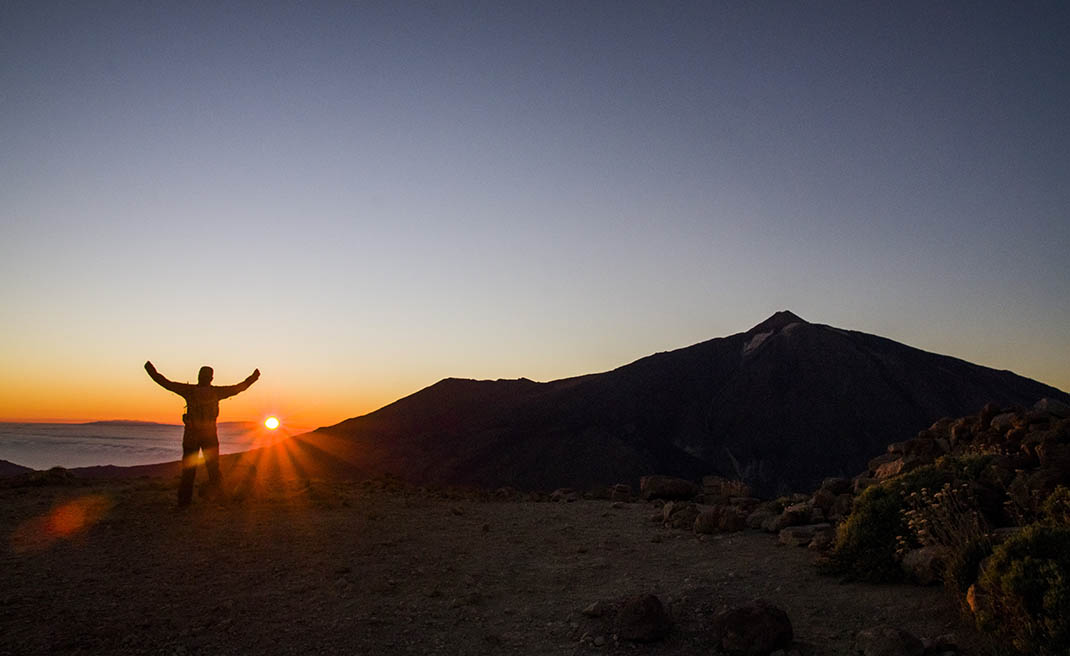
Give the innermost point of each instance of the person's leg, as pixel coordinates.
(211, 463)
(189, 471)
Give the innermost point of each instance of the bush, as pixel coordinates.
(1023, 593)
(1056, 508)
(929, 477)
(964, 566)
(866, 541)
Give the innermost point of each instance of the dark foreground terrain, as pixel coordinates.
(377, 568)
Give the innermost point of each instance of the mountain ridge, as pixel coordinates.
(781, 405)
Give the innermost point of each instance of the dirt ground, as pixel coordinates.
(329, 568)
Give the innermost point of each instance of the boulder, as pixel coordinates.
(823, 499)
(1001, 423)
(643, 619)
(875, 464)
(666, 487)
(842, 506)
(962, 430)
(1053, 407)
(926, 565)
(564, 495)
(758, 518)
(861, 483)
(708, 520)
(800, 536)
(887, 641)
(620, 492)
(718, 486)
(796, 514)
(685, 518)
(1056, 456)
(836, 485)
(987, 413)
(896, 467)
(720, 519)
(757, 628)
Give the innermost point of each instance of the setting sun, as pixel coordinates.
(271, 423)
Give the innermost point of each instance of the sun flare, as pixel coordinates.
(271, 423)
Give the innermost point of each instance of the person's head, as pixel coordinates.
(204, 376)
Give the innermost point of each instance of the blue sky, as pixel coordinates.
(363, 198)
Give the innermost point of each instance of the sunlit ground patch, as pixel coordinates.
(63, 522)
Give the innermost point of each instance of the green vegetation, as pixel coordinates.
(1023, 593)
(866, 541)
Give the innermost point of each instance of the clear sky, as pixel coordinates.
(363, 198)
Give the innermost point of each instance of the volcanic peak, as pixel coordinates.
(776, 322)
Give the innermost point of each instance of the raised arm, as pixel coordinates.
(224, 391)
(177, 388)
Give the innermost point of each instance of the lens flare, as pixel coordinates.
(271, 423)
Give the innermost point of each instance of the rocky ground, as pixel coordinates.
(380, 568)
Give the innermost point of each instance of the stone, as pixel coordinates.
(756, 628)
(800, 536)
(564, 495)
(732, 520)
(1053, 407)
(1003, 422)
(896, 467)
(874, 464)
(887, 641)
(708, 521)
(596, 609)
(796, 514)
(836, 485)
(683, 516)
(926, 565)
(758, 518)
(860, 483)
(719, 486)
(1055, 456)
(643, 618)
(620, 492)
(666, 487)
(823, 499)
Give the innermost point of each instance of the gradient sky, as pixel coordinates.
(363, 198)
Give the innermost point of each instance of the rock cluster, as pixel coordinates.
(1031, 456)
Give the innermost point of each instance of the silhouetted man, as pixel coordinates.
(202, 408)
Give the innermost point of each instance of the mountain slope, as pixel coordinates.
(782, 405)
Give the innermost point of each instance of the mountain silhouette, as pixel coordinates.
(781, 405)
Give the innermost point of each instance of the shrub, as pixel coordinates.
(1056, 508)
(866, 541)
(964, 566)
(1024, 590)
(929, 477)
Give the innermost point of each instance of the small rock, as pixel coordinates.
(800, 536)
(666, 487)
(755, 628)
(564, 495)
(620, 492)
(643, 619)
(925, 565)
(596, 609)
